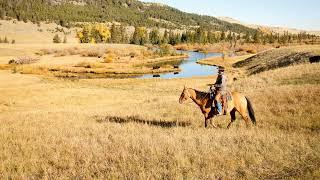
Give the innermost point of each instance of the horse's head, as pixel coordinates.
(184, 95)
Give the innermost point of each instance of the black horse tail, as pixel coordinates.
(251, 111)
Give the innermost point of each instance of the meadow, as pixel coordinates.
(135, 128)
(87, 60)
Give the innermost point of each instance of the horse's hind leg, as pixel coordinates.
(233, 117)
(245, 117)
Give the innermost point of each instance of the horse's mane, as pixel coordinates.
(201, 94)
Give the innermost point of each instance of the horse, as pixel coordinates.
(238, 103)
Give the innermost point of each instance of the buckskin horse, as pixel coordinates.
(237, 103)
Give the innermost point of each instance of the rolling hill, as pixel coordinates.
(274, 29)
(128, 12)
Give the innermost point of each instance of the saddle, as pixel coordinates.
(225, 98)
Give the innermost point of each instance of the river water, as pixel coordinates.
(189, 67)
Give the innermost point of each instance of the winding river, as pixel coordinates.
(189, 67)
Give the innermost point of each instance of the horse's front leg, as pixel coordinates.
(205, 122)
(212, 123)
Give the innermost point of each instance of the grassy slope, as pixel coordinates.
(28, 33)
(59, 129)
(278, 58)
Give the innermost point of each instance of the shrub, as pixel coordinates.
(24, 60)
(92, 52)
(86, 64)
(251, 51)
(63, 52)
(56, 39)
(13, 41)
(165, 50)
(109, 58)
(46, 51)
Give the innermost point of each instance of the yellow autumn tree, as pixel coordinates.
(94, 33)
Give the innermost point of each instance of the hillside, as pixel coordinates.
(273, 29)
(129, 12)
(29, 33)
(277, 58)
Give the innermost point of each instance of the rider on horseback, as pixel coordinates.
(220, 87)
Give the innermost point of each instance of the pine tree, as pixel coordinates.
(184, 37)
(115, 34)
(190, 37)
(2, 13)
(140, 36)
(135, 38)
(229, 37)
(165, 38)
(124, 36)
(65, 39)
(247, 38)
(154, 36)
(201, 35)
(222, 36)
(56, 39)
(6, 40)
(172, 38)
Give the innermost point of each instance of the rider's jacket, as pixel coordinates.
(221, 82)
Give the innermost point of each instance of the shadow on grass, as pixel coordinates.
(136, 119)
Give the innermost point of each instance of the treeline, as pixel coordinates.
(202, 36)
(6, 40)
(128, 12)
(100, 33)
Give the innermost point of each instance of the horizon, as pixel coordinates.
(302, 14)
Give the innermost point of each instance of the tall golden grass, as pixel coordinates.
(136, 129)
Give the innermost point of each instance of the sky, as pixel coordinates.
(300, 14)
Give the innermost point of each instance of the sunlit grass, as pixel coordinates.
(136, 129)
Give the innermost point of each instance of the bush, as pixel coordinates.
(109, 58)
(251, 51)
(13, 41)
(46, 51)
(24, 60)
(92, 52)
(56, 39)
(86, 64)
(165, 50)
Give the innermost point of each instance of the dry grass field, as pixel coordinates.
(30, 33)
(135, 128)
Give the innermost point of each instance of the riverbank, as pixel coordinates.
(80, 60)
(226, 48)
